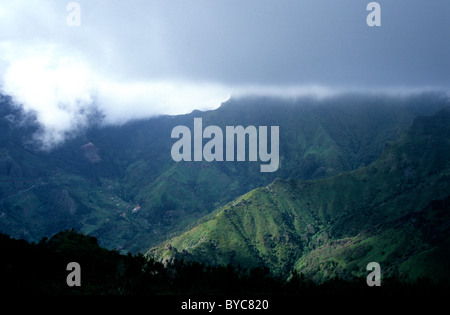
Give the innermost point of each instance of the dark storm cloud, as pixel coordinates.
(322, 42)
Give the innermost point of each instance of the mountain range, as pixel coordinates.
(361, 178)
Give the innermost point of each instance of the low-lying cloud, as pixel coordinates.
(62, 92)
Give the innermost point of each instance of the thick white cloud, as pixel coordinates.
(62, 90)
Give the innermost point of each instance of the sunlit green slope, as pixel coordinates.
(394, 211)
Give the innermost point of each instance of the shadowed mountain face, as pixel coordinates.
(120, 184)
(394, 211)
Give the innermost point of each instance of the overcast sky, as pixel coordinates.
(137, 58)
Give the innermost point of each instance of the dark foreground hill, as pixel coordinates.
(29, 271)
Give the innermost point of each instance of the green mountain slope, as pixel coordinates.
(120, 184)
(394, 211)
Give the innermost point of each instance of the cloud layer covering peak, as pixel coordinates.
(131, 60)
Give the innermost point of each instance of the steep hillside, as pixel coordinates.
(394, 211)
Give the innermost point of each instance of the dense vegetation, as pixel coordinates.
(40, 268)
